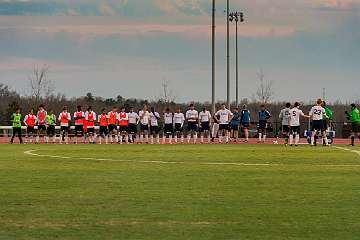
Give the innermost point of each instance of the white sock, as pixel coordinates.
(264, 138)
(312, 140)
(291, 139)
(176, 139)
(182, 139)
(297, 139)
(170, 139)
(158, 139)
(195, 138)
(188, 138)
(146, 138)
(202, 139)
(164, 139)
(227, 138)
(121, 139)
(37, 139)
(260, 137)
(152, 139)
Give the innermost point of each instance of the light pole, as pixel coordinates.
(228, 53)
(213, 59)
(237, 17)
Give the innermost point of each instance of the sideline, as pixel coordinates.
(347, 149)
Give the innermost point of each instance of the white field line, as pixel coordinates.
(347, 149)
(32, 153)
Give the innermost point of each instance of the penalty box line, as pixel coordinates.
(32, 153)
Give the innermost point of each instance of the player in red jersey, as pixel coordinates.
(41, 124)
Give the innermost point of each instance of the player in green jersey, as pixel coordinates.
(354, 118)
(16, 125)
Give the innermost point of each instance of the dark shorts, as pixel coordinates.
(192, 126)
(103, 130)
(318, 125)
(132, 128)
(234, 126)
(124, 129)
(144, 127)
(223, 127)
(112, 128)
(178, 127)
(295, 130)
(50, 131)
(205, 126)
(79, 129)
(355, 127)
(64, 129)
(41, 128)
(262, 125)
(168, 129)
(285, 128)
(91, 130)
(245, 125)
(30, 130)
(154, 129)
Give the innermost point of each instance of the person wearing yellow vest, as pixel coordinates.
(16, 125)
(30, 121)
(79, 117)
(64, 119)
(113, 119)
(123, 124)
(50, 127)
(90, 118)
(103, 122)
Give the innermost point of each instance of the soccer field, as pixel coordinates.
(179, 192)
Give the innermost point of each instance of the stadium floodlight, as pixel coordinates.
(228, 53)
(213, 58)
(237, 17)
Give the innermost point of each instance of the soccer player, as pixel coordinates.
(64, 119)
(294, 123)
(215, 128)
(192, 117)
(284, 116)
(123, 126)
(245, 121)
(317, 115)
(168, 125)
(113, 119)
(79, 117)
(204, 123)
(41, 123)
(104, 123)
(264, 116)
(133, 123)
(50, 126)
(154, 125)
(354, 117)
(235, 124)
(144, 124)
(179, 120)
(90, 118)
(224, 117)
(30, 121)
(16, 125)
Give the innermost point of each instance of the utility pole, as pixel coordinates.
(213, 84)
(228, 53)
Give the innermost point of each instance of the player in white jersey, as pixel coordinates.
(154, 126)
(224, 117)
(284, 116)
(144, 124)
(168, 125)
(317, 115)
(294, 123)
(192, 117)
(179, 120)
(204, 122)
(133, 123)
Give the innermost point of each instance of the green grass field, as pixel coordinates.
(207, 192)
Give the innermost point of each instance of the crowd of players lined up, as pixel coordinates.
(120, 127)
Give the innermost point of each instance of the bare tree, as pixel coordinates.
(40, 85)
(167, 95)
(265, 91)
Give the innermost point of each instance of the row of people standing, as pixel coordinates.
(118, 126)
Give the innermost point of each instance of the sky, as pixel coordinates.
(130, 47)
